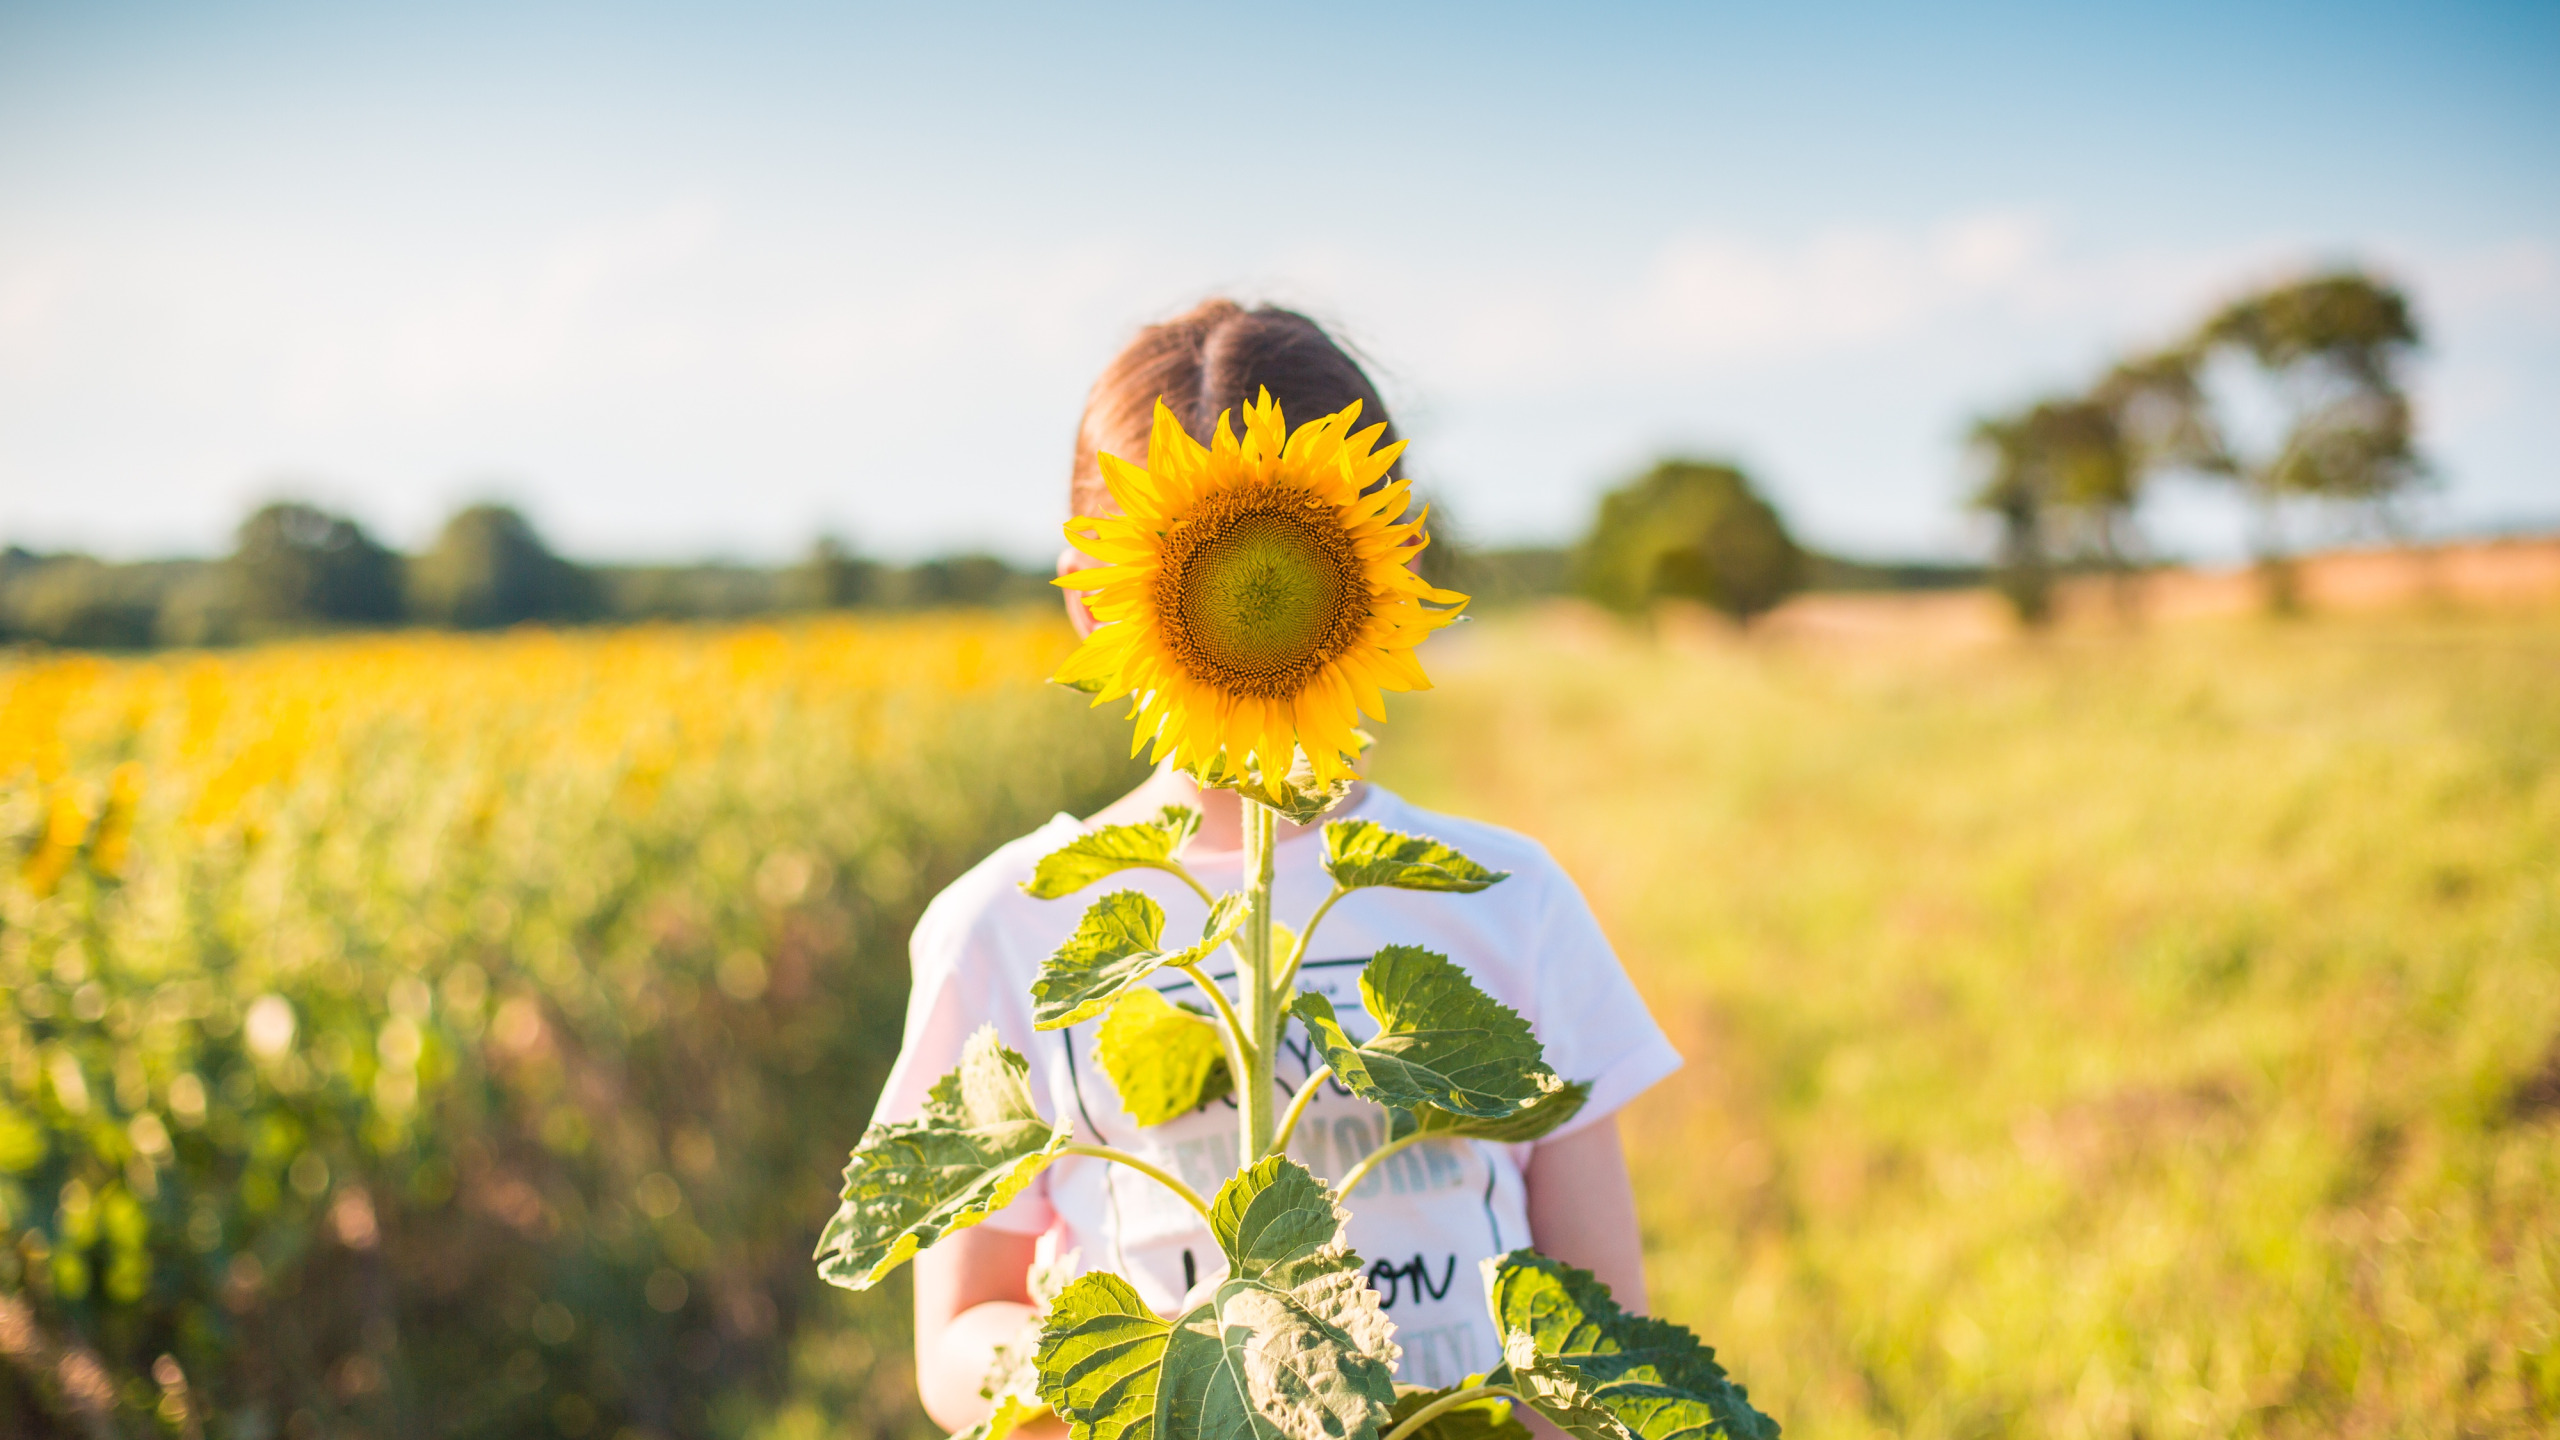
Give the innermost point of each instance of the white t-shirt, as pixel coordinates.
(1422, 1219)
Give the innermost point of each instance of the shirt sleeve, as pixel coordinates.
(1591, 1022)
(958, 987)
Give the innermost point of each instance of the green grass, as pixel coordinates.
(2142, 1034)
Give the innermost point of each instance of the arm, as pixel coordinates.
(972, 1295)
(1582, 1209)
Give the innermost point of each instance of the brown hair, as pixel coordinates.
(1211, 358)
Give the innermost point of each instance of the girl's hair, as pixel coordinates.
(1212, 358)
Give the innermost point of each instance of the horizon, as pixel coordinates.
(706, 288)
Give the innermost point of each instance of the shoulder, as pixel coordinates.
(986, 904)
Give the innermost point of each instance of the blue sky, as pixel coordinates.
(705, 282)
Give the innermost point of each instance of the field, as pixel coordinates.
(2135, 1033)
(2131, 1035)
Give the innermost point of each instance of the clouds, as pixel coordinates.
(1729, 298)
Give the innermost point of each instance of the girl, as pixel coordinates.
(1425, 1217)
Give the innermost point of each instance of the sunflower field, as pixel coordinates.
(421, 1035)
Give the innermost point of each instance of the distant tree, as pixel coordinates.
(972, 580)
(78, 602)
(490, 569)
(1692, 530)
(2061, 477)
(295, 564)
(833, 577)
(2015, 490)
(2331, 349)
(2159, 408)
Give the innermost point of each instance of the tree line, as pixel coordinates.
(296, 568)
(1688, 529)
(2316, 364)
(2292, 395)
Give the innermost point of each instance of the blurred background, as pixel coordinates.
(2018, 560)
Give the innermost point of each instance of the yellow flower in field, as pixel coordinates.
(1254, 595)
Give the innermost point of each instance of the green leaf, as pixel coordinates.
(1166, 1060)
(1101, 1357)
(1261, 1363)
(1543, 1115)
(1112, 849)
(1487, 1419)
(1296, 797)
(1360, 853)
(1276, 1220)
(1290, 1346)
(909, 1184)
(1278, 1224)
(1119, 942)
(1604, 1374)
(1441, 1043)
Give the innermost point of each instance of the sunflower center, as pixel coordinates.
(1259, 588)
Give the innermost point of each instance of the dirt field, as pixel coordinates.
(2484, 575)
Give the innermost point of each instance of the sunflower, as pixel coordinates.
(1255, 595)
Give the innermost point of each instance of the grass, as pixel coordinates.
(2130, 1034)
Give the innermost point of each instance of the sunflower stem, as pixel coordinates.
(1230, 1028)
(1254, 1089)
(1306, 936)
(1351, 1178)
(1152, 1171)
(1414, 1422)
(1298, 1107)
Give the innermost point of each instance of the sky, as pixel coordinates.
(707, 282)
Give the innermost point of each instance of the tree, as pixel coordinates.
(2058, 473)
(2014, 491)
(2331, 350)
(490, 569)
(833, 577)
(962, 580)
(1692, 530)
(296, 564)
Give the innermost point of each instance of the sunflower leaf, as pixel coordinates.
(1544, 1115)
(1254, 1362)
(1360, 853)
(1296, 797)
(1442, 1044)
(1102, 1358)
(1112, 849)
(1166, 1060)
(1487, 1419)
(1603, 1374)
(1292, 1345)
(1119, 943)
(910, 1183)
(1276, 1220)
(1262, 1363)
